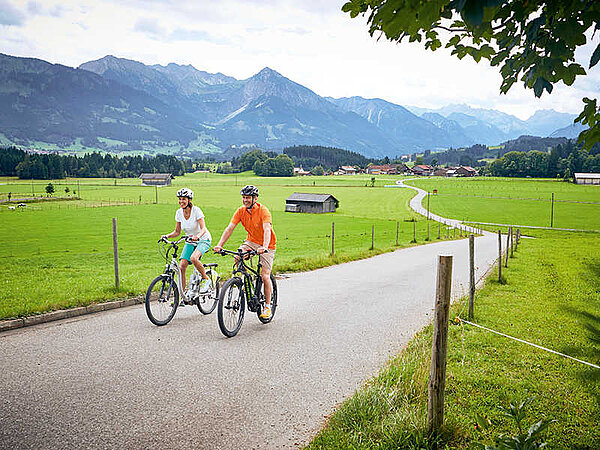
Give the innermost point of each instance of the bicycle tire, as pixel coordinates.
(162, 299)
(273, 301)
(232, 306)
(207, 304)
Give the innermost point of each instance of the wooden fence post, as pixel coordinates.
(332, 238)
(512, 244)
(499, 256)
(372, 237)
(471, 274)
(507, 247)
(437, 374)
(115, 251)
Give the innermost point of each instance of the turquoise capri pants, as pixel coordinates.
(203, 245)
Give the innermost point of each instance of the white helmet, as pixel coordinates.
(185, 192)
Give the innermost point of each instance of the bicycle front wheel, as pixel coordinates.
(231, 307)
(208, 302)
(162, 299)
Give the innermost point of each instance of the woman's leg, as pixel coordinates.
(183, 263)
(195, 258)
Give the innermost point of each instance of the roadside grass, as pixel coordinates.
(59, 254)
(551, 298)
(522, 201)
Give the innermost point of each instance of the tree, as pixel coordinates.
(318, 170)
(49, 189)
(530, 40)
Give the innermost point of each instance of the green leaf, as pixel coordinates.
(472, 13)
(539, 85)
(595, 57)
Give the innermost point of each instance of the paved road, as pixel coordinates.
(113, 380)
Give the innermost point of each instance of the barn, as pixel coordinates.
(156, 179)
(311, 203)
(587, 178)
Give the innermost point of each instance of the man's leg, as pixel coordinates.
(268, 286)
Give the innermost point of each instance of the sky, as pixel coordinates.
(311, 42)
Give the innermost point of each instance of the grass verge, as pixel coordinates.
(551, 298)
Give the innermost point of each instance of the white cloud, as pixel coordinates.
(10, 15)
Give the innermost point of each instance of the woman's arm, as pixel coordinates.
(202, 226)
(176, 232)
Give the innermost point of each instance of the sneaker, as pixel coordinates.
(266, 312)
(204, 285)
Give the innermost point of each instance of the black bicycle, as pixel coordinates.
(245, 287)
(162, 296)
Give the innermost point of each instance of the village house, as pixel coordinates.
(466, 171)
(156, 179)
(386, 169)
(347, 170)
(422, 169)
(311, 203)
(301, 172)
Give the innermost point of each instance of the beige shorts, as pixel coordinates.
(266, 259)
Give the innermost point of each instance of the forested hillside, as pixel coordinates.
(15, 162)
(309, 156)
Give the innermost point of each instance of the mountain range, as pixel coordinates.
(122, 105)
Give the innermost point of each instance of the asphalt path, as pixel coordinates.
(114, 380)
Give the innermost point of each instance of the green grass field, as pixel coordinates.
(515, 201)
(59, 254)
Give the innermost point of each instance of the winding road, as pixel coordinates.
(114, 380)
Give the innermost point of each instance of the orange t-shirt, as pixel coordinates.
(253, 221)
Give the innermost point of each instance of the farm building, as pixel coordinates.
(466, 171)
(587, 178)
(422, 169)
(311, 203)
(156, 179)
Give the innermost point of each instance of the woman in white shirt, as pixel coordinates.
(190, 218)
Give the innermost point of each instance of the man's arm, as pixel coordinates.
(225, 236)
(266, 237)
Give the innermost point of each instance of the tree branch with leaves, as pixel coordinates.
(530, 41)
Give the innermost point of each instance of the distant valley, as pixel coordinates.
(120, 105)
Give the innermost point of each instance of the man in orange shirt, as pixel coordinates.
(256, 220)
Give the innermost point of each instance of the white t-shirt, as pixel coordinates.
(190, 226)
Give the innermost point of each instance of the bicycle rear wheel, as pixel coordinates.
(208, 302)
(231, 307)
(273, 301)
(162, 299)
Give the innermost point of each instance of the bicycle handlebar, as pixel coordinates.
(239, 252)
(187, 239)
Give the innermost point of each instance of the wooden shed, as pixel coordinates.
(311, 203)
(156, 179)
(587, 178)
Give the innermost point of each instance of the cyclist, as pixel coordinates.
(256, 220)
(191, 219)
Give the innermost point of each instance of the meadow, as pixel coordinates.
(58, 254)
(524, 201)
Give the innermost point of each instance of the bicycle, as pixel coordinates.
(243, 288)
(162, 296)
